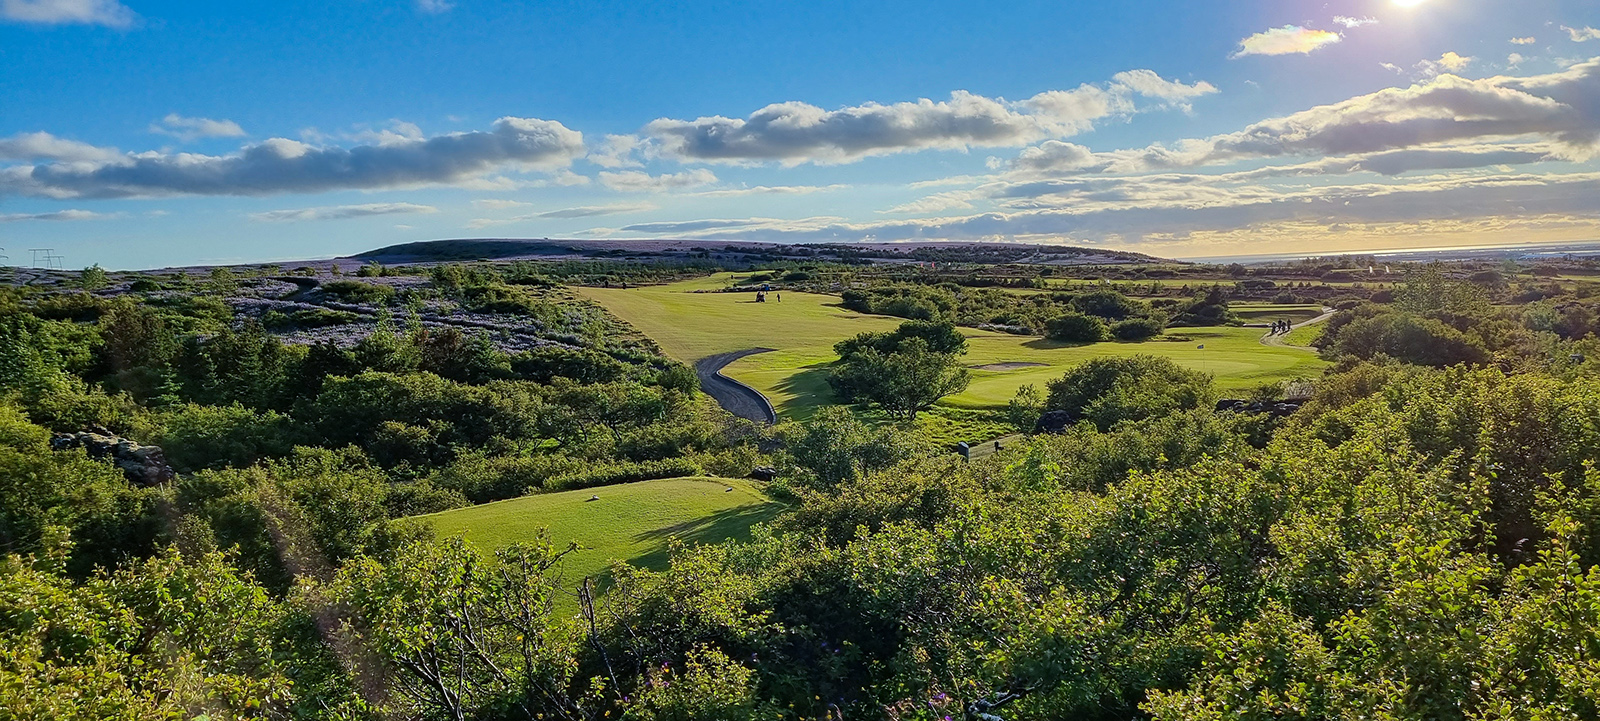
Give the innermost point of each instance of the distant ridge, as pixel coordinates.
(946, 251)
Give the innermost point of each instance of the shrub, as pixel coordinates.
(1077, 328)
(357, 292)
(607, 474)
(1107, 391)
(1135, 329)
(196, 437)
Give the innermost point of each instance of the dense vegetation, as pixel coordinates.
(1420, 540)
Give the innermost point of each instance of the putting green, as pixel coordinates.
(802, 328)
(633, 522)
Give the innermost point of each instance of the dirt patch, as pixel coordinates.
(1007, 366)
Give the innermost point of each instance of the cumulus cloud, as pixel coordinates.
(58, 215)
(44, 146)
(1563, 108)
(1583, 34)
(794, 132)
(109, 13)
(194, 128)
(617, 151)
(634, 181)
(1351, 22)
(1524, 41)
(1513, 60)
(280, 165)
(341, 212)
(1450, 62)
(1148, 84)
(1287, 40)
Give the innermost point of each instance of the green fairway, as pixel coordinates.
(1268, 312)
(633, 522)
(802, 328)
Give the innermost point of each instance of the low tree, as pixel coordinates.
(1077, 328)
(905, 381)
(1107, 391)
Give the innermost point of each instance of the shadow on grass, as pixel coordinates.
(807, 390)
(715, 528)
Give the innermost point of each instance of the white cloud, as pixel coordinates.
(1450, 62)
(1351, 22)
(793, 133)
(634, 181)
(769, 190)
(341, 212)
(1513, 60)
(59, 215)
(1563, 108)
(1391, 67)
(1148, 84)
(936, 203)
(498, 204)
(280, 165)
(1054, 156)
(1524, 41)
(1583, 34)
(1469, 201)
(435, 7)
(617, 151)
(193, 128)
(109, 13)
(1287, 40)
(582, 211)
(44, 146)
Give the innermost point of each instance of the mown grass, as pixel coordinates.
(632, 522)
(803, 327)
(1304, 336)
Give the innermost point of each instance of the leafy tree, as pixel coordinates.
(1107, 391)
(93, 278)
(1108, 304)
(903, 382)
(467, 637)
(1077, 328)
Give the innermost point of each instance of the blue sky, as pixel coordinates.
(142, 134)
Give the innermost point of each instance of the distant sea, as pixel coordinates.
(1517, 251)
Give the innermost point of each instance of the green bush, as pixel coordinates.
(1136, 329)
(1076, 328)
(1107, 391)
(352, 291)
(606, 474)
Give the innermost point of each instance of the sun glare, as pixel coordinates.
(1409, 3)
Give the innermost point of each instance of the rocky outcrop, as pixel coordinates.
(144, 465)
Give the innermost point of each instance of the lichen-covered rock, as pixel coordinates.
(144, 465)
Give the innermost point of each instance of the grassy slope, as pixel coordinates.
(1305, 335)
(633, 522)
(804, 327)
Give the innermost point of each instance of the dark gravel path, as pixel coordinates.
(737, 398)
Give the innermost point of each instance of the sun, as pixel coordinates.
(1409, 3)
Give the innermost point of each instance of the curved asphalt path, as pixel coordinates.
(1277, 338)
(735, 397)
